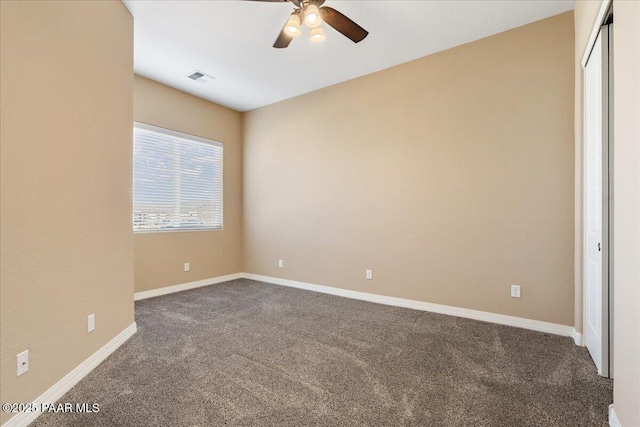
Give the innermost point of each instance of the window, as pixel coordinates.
(177, 181)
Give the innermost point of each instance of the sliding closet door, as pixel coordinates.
(596, 202)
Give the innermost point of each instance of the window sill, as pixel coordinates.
(178, 230)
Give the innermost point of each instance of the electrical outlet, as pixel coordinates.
(186, 266)
(369, 274)
(280, 263)
(23, 362)
(515, 291)
(91, 323)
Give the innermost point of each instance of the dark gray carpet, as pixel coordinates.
(252, 354)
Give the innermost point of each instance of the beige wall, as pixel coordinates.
(451, 176)
(66, 240)
(626, 182)
(160, 257)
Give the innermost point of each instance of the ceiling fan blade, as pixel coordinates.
(283, 40)
(343, 24)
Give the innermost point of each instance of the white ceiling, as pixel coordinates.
(232, 41)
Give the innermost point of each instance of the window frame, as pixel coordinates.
(182, 135)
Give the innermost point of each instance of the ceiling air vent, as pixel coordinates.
(200, 77)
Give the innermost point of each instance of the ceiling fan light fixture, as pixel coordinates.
(292, 27)
(317, 35)
(312, 16)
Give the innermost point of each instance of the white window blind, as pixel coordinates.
(177, 181)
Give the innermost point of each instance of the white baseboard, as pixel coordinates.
(501, 319)
(72, 378)
(185, 286)
(577, 338)
(613, 418)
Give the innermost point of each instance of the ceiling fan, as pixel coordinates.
(312, 13)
